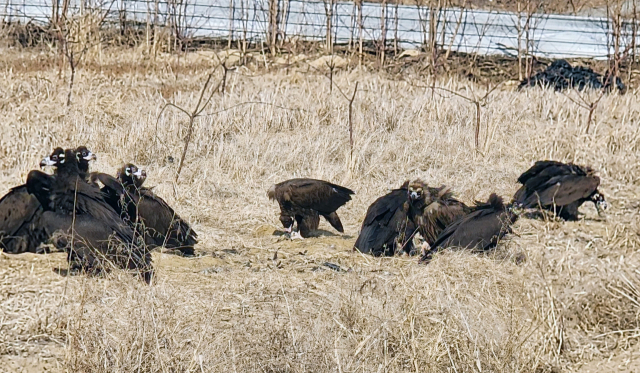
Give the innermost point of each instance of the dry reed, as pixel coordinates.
(553, 296)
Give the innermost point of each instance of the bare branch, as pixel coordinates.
(353, 97)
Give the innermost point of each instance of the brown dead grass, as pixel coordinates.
(258, 302)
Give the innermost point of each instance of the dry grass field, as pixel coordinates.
(555, 296)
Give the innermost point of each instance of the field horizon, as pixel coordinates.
(553, 296)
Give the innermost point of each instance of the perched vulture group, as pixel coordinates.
(116, 225)
(442, 221)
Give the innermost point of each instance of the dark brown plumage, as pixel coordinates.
(386, 228)
(146, 211)
(18, 208)
(305, 199)
(432, 209)
(82, 223)
(559, 187)
(481, 229)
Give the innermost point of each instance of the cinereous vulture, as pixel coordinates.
(559, 187)
(79, 221)
(147, 212)
(304, 200)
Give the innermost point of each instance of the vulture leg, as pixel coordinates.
(307, 223)
(570, 211)
(334, 220)
(303, 228)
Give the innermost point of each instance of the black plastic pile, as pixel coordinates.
(561, 75)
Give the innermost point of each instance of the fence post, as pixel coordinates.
(231, 17)
(328, 11)
(360, 31)
(273, 25)
(282, 22)
(395, 36)
(634, 31)
(383, 31)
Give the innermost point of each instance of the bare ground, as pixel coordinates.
(552, 297)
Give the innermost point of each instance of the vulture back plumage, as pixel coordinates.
(559, 187)
(481, 229)
(386, 228)
(302, 199)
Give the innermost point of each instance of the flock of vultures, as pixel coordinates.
(103, 221)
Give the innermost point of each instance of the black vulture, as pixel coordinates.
(147, 212)
(432, 209)
(20, 210)
(79, 220)
(559, 187)
(305, 199)
(386, 228)
(480, 229)
(84, 156)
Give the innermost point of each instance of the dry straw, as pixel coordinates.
(553, 296)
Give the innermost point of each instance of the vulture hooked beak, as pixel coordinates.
(601, 206)
(90, 157)
(46, 162)
(140, 173)
(600, 202)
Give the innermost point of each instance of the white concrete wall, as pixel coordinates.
(484, 32)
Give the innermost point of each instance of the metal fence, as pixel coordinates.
(387, 26)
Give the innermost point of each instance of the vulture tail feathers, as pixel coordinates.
(335, 222)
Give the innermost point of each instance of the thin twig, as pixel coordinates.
(199, 108)
(353, 97)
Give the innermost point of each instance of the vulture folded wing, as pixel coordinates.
(383, 208)
(16, 207)
(164, 224)
(521, 195)
(447, 235)
(564, 190)
(89, 200)
(536, 169)
(318, 195)
(108, 181)
(380, 239)
(385, 220)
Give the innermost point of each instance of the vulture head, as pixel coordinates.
(418, 193)
(130, 174)
(57, 157)
(287, 222)
(84, 154)
(600, 202)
